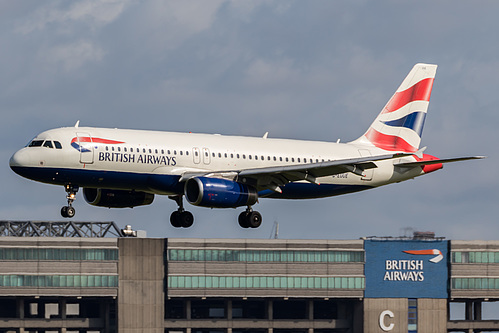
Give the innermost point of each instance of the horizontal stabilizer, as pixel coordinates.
(438, 161)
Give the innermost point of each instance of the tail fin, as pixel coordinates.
(400, 124)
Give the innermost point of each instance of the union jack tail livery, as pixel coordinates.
(400, 124)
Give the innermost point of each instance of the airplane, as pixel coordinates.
(119, 168)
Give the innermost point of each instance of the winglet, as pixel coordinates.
(266, 135)
(77, 124)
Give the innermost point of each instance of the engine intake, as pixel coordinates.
(219, 193)
(116, 198)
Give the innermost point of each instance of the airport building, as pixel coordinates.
(62, 281)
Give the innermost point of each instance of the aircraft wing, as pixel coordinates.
(273, 177)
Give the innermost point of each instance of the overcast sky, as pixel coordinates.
(315, 70)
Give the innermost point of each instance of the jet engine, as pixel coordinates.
(219, 193)
(116, 198)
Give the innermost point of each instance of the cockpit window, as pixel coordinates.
(57, 145)
(48, 144)
(36, 143)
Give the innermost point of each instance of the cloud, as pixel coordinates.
(74, 55)
(93, 13)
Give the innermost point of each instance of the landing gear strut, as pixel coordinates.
(181, 218)
(250, 218)
(69, 211)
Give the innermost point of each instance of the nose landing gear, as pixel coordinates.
(69, 211)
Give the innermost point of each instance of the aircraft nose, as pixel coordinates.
(19, 159)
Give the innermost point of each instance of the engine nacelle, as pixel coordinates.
(219, 193)
(116, 198)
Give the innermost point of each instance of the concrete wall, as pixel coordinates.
(141, 285)
(373, 309)
(432, 315)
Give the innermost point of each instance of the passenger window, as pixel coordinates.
(305, 160)
(244, 156)
(57, 145)
(48, 144)
(219, 155)
(237, 155)
(232, 156)
(225, 155)
(274, 158)
(169, 153)
(286, 159)
(280, 159)
(112, 148)
(119, 149)
(187, 152)
(249, 156)
(36, 143)
(181, 152)
(292, 159)
(155, 151)
(162, 152)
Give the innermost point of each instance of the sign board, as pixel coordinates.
(406, 268)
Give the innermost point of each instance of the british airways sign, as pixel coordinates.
(412, 269)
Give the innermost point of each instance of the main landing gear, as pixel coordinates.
(69, 211)
(250, 218)
(181, 218)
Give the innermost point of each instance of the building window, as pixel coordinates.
(475, 257)
(83, 281)
(412, 315)
(263, 282)
(57, 254)
(475, 283)
(265, 255)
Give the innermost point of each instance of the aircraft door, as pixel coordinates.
(368, 174)
(86, 148)
(206, 156)
(196, 155)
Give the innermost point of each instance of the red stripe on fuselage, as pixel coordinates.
(95, 140)
(421, 91)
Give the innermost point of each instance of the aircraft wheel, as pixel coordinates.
(243, 221)
(64, 211)
(70, 211)
(175, 219)
(254, 219)
(186, 219)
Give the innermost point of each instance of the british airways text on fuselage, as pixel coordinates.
(138, 159)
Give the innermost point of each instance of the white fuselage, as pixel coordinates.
(133, 159)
